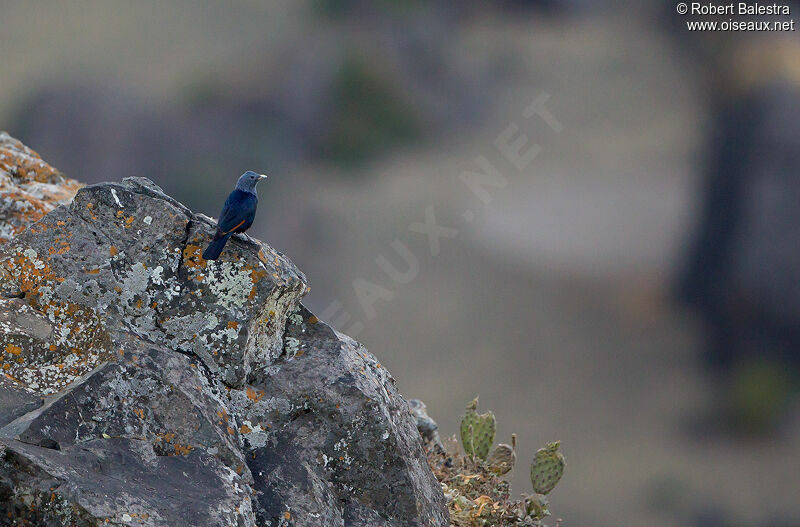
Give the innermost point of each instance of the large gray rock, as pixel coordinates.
(155, 396)
(143, 385)
(329, 424)
(117, 482)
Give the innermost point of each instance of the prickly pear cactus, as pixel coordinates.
(477, 431)
(502, 458)
(547, 468)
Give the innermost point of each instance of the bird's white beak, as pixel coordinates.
(262, 176)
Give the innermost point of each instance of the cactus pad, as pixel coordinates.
(477, 431)
(502, 458)
(547, 468)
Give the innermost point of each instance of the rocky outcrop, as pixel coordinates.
(144, 385)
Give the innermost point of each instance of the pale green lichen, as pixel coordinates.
(292, 345)
(265, 342)
(157, 276)
(135, 282)
(231, 283)
(33, 256)
(256, 435)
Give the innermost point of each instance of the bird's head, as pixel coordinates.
(248, 181)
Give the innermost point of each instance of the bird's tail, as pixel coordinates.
(214, 248)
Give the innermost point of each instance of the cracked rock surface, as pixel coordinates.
(144, 385)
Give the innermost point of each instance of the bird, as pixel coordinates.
(237, 214)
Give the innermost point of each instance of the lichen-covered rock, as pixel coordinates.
(128, 256)
(29, 187)
(143, 385)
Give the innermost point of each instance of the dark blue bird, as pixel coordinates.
(237, 214)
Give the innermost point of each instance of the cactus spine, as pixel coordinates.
(547, 468)
(477, 431)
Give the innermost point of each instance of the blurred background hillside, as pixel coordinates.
(633, 291)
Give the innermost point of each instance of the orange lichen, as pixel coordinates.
(27, 180)
(193, 257)
(244, 429)
(13, 350)
(38, 228)
(30, 275)
(253, 396)
(25, 163)
(256, 274)
(113, 250)
(183, 450)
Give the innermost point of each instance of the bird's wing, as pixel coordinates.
(237, 210)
